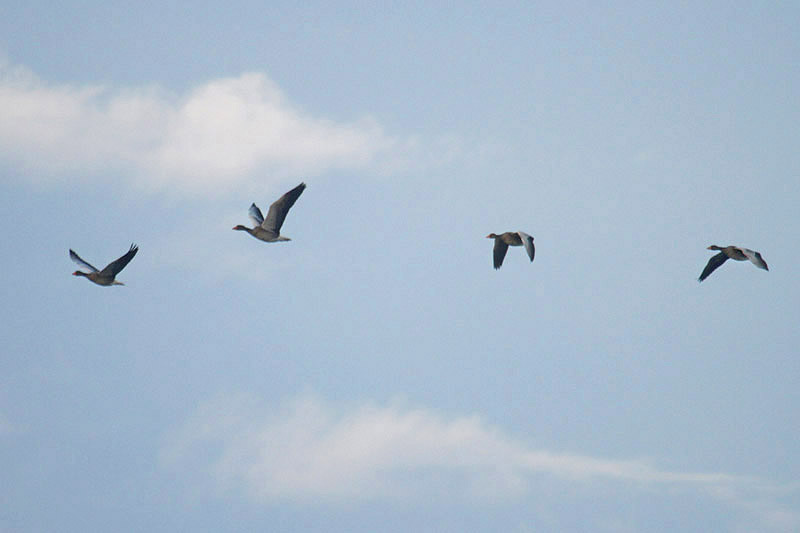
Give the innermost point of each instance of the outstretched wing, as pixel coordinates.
(75, 257)
(755, 258)
(280, 208)
(255, 215)
(527, 241)
(114, 267)
(712, 265)
(500, 249)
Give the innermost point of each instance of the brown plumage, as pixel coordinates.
(106, 276)
(737, 253)
(269, 229)
(510, 238)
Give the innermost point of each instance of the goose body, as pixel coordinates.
(737, 253)
(105, 277)
(269, 229)
(510, 238)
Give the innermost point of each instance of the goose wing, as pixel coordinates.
(500, 249)
(755, 258)
(713, 264)
(527, 241)
(114, 267)
(280, 208)
(75, 257)
(255, 215)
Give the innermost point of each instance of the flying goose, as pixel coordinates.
(269, 229)
(510, 238)
(106, 276)
(736, 253)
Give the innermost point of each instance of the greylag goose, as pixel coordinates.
(737, 253)
(510, 238)
(106, 276)
(269, 229)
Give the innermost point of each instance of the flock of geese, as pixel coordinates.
(269, 230)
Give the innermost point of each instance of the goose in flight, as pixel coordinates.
(106, 276)
(510, 238)
(737, 253)
(269, 229)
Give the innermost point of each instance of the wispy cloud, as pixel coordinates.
(307, 451)
(210, 138)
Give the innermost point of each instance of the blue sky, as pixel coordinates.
(376, 373)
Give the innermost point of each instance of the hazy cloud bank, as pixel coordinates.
(309, 451)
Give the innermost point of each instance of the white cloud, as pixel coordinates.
(307, 451)
(214, 137)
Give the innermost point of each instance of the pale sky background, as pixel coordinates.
(375, 373)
